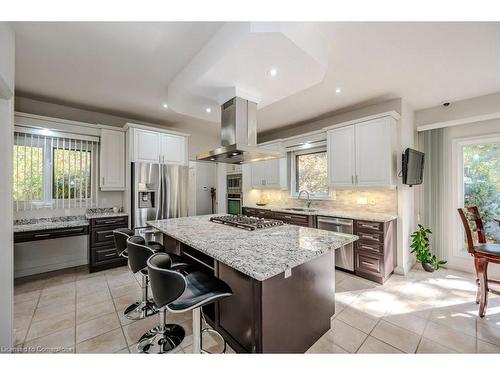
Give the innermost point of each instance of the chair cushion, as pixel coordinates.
(201, 289)
(488, 248)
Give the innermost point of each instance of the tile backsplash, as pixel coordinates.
(372, 200)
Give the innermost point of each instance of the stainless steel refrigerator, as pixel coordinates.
(159, 191)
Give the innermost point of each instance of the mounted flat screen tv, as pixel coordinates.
(413, 167)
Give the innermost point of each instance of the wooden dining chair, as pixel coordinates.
(482, 252)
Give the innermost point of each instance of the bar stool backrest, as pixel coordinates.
(472, 213)
(167, 285)
(121, 235)
(138, 253)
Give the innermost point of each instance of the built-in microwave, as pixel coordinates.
(234, 194)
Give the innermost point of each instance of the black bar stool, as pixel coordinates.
(179, 293)
(121, 235)
(138, 253)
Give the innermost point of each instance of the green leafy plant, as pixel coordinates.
(421, 247)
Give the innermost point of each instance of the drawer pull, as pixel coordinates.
(368, 237)
(109, 255)
(374, 227)
(109, 236)
(287, 217)
(111, 221)
(42, 235)
(369, 248)
(365, 262)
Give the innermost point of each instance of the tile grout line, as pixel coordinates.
(118, 316)
(31, 320)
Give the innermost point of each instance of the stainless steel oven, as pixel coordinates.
(234, 194)
(344, 257)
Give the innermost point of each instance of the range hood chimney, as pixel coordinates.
(238, 135)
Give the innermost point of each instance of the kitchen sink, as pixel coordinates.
(301, 209)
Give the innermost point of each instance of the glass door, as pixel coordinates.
(479, 174)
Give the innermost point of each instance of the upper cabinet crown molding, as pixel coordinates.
(129, 125)
(393, 114)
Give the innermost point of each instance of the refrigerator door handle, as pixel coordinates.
(158, 194)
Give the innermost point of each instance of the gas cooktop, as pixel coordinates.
(246, 222)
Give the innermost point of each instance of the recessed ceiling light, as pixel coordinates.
(208, 109)
(273, 72)
(235, 153)
(337, 90)
(165, 105)
(212, 159)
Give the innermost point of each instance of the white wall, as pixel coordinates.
(204, 135)
(463, 111)
(7, 63)
(406, 194)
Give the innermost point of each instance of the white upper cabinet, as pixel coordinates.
(362, 155)
(146, 146)
(112, 160)
(172, 149)
(155, 147)
(374, 153)
(341, 156)
(269, 174)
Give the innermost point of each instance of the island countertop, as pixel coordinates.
(260, 254)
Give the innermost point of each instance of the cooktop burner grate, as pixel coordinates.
(246, 222)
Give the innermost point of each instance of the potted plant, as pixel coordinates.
(420, 246)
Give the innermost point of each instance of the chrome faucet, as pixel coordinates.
(308, 197)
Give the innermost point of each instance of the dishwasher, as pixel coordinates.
(344, 256)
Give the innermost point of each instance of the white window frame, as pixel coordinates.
(293, 171)
(458, 187)
(48, 200)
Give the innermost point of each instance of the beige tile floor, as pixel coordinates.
(72, 311)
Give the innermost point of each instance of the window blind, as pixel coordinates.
(54, 172)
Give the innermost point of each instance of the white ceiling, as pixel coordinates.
(127, 67)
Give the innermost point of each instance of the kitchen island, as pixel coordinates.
(283, 280)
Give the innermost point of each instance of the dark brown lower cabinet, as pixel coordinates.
(277, 315)
(289, 218)
(102, 252)
(375, 251)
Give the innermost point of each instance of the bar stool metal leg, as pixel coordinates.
(163, 338)
(198, 331)
(144, 308)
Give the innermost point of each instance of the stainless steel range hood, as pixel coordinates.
(239, 136)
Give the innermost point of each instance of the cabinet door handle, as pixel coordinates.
(111, 221)
(103, 181)
(356, 179)
(42, 235)
(352, 180)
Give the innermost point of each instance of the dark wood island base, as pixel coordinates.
(287, 313)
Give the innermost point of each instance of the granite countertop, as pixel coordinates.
(356, 215)
(260, 254)
(96, 213)
(45, 223)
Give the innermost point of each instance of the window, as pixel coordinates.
(73, 179)
(54, 171)
(481, 184)
(310, 172)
